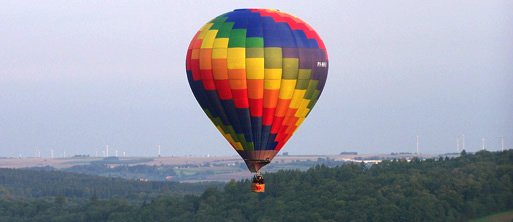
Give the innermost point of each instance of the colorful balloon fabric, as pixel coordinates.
(257, 74)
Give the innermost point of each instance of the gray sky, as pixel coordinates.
(76, 75)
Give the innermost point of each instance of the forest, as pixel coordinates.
(443, 189)
(45, 183)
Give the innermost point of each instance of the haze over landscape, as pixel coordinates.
(76, 76)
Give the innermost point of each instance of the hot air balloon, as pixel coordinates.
(257, 74)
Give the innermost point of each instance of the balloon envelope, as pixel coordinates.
(257, 74)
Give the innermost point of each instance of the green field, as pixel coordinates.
(498, 217)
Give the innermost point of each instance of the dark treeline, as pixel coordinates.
(456, 189)
(155, 173)
(46, 182)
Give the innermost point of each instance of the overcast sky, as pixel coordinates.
(77, 75)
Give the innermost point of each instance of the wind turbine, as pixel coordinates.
(458, 144)
(418, 145)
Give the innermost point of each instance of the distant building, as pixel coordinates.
(285, 153)
(81, 156)
(400, 153)
(349, 153)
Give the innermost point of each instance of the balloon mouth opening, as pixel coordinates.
(255, 165)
